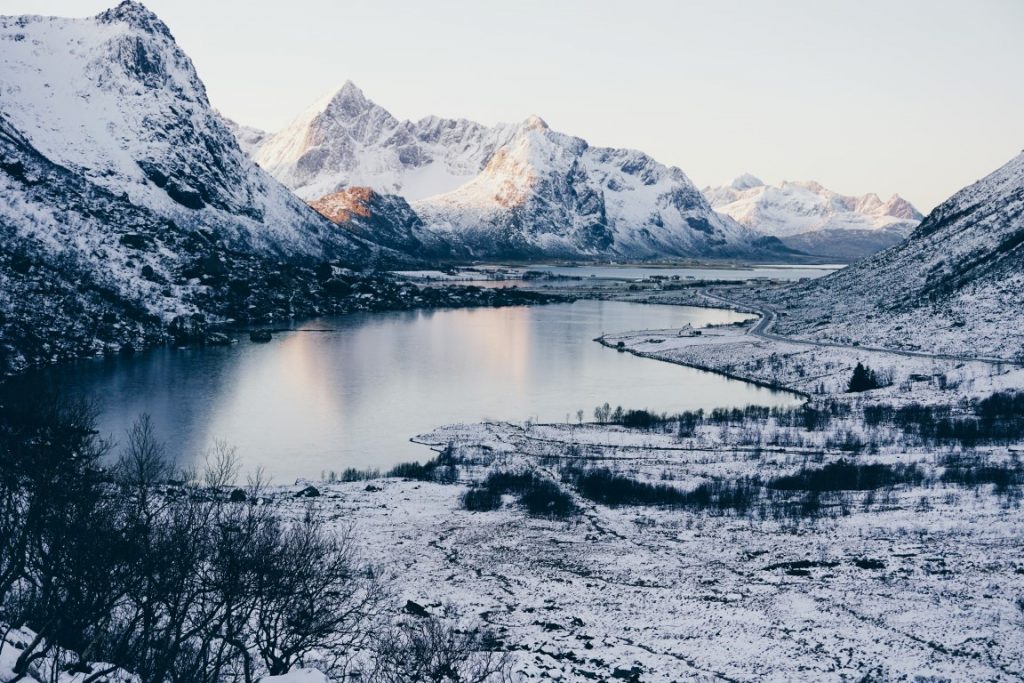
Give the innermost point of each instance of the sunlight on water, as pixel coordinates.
(352, 393)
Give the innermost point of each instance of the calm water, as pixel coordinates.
(781, 272)
(353, 393)
(589, 274)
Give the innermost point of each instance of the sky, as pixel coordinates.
(915, 97)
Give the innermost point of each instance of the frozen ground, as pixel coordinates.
(921, 584)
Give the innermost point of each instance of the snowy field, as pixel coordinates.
(919, 584)
(918, 577)
(821, 370)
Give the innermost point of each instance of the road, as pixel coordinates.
(768, 316)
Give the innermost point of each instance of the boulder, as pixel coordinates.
(416, 609)
(188, 329)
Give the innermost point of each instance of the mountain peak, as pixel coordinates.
(746, 182)
(535, 122)
(137, 15)
(899, 207)
(349, 98)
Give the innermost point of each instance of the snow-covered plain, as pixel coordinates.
(920, 585)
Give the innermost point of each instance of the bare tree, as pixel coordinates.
(429, 650)
(222, 465)
(312, 595)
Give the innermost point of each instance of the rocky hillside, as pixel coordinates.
(128, 204)
(386, 219)
(954, 286)
(549, 194)
(508, 191)
(346, 140)
(810, 218)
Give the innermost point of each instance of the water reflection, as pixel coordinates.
(351, 396)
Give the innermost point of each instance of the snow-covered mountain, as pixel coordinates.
(127, 201)
(114, 99)
(345, 140)
(505, 191)
(549, 194)
(953, 286)
(816, 220)
(386, 219)
(249, 138)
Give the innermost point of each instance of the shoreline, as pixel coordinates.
(704, 368)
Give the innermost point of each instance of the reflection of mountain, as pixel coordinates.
(280, 397)
(312, 402)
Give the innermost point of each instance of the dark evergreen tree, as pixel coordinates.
(863, 379)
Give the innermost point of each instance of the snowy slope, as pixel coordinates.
(346, 140)
(508, 191)
(549, 194)
(249, 139)
(811, 218)
(114, 98)
(954, 286)
(127, 201)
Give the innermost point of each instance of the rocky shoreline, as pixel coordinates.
(229, 305)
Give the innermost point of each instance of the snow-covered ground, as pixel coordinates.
(822, 370)
(920, 581)
(922, 584)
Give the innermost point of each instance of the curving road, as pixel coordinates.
(768, 316)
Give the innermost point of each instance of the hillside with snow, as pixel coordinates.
(546, 193)
(127, 200)
(811, 218)
(954, 286)
(519, 191)
(346, 140)
(386, 219)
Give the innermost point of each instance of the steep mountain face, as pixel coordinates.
(813, 219)
(549, 194)
(953, 286)
(127, 201)
(249, 139)
(346, 140)
(387, 220)
(519, 191)
(114, 99)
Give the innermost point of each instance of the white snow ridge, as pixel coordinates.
(508, 190)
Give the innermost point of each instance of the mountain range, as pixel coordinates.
(810, 218)
(507, 191)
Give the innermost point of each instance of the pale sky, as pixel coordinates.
(919, 97)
